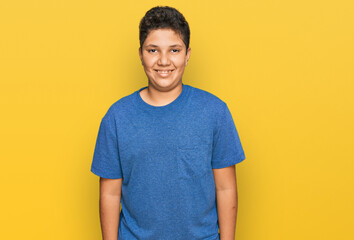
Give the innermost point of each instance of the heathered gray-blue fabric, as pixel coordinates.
(165, 156)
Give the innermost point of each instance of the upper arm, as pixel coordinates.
(225, 178)
(111, 187)
(106, 161)
(227, 148)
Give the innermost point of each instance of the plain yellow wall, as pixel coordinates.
(285, 68)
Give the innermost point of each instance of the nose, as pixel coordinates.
(163, 60)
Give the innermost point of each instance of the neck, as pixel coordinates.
(157, 97)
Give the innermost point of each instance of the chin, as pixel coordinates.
(165, 84)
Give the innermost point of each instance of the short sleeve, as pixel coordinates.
(106, 162)
(227, 148)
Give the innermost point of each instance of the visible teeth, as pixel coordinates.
(164, 71)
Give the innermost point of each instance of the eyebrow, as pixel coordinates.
(174, 45)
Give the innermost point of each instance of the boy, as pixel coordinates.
(167, 151)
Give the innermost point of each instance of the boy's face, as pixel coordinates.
(164, 58)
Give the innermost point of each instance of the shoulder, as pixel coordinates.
(205, 98)
(120, 106)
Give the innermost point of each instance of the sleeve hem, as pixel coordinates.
(228, 163)
(104, 175)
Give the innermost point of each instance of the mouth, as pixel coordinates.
(164, 73)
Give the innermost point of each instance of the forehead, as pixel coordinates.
(163, 37)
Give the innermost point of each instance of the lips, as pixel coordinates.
(164, 73)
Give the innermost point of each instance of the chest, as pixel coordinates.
(179, 146)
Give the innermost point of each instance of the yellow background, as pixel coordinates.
(285, 69)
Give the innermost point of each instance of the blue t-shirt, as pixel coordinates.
(165, 155)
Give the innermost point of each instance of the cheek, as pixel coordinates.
(149, 62)
(179, 62)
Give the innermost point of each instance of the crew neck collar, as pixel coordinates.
(169, 107)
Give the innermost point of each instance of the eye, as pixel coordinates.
(152, 50)
(175, 50)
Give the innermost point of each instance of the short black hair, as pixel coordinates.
(164, 17)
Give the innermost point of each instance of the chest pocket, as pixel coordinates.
(193, 161)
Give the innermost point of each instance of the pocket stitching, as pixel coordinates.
(197, 168)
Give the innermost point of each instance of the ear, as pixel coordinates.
(188, 55)
(141, 55)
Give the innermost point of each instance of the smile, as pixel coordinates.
(164, 73)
